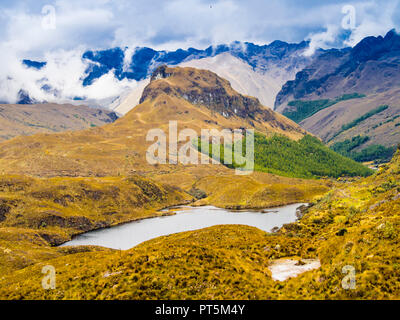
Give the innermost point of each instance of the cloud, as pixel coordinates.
(166, 25)
(61, 48)
(63, 76)
(322, 40)
(373, 19)
(181, 23)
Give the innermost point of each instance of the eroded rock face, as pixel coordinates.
(200, 87)
(160, 73)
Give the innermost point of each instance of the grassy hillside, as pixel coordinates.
(304, 109)
(370, 153)
(17, 119)
(36, 214)
(356, 225)
(305, 158)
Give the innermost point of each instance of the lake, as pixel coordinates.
(187, 218)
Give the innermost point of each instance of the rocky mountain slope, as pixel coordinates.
(17, 120)
(195, 98)
(342, 87)
(372, 66)
(382, 128)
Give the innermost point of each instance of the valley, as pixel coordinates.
(57, 187)
(340, 86)
(199, 159)
(354, 224)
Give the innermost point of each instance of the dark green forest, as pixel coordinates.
(306, 158)
(377, 153)
(305, 109)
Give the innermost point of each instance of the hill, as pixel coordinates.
(354, 226)
(196, 99)
(380, 127)
(17, 120)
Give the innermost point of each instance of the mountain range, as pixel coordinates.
(56, 186)
(338, 95)
(338, 85)
(278, 60)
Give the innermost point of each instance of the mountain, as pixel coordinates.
(242, 77)
(17, 120)
(268, 67)
(120, 147)
(196, 99)
(145, 60)
(343, 86)
(371, 66)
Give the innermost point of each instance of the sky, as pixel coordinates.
(59, 31)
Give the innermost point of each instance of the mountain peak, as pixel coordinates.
(198, 91)
(200, 87)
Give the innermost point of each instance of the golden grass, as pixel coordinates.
(355, 224)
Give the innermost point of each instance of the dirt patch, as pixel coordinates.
(284, 269)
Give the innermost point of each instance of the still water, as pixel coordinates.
(128, 235)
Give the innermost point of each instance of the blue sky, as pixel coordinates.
(163, 25)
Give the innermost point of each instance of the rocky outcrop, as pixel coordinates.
(160, 73)
(201, 87)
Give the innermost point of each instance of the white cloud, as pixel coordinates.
(167, 25)
(63, 73)
(373, 19)
(61, 48)
(322, 40)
